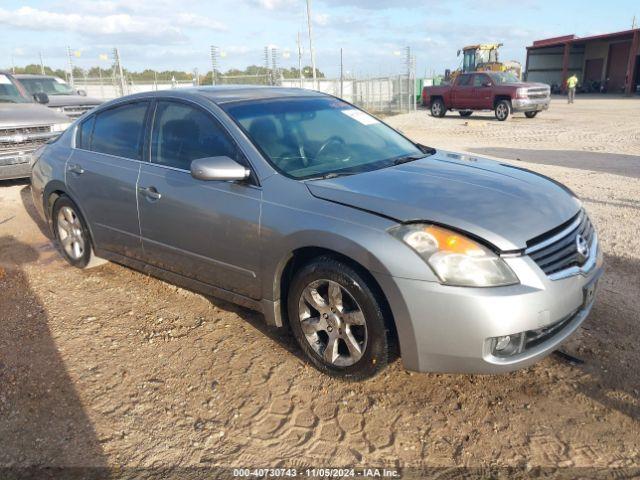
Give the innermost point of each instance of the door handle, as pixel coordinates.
(77, 169)
(150, 192)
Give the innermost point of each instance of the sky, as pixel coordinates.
(177, 34)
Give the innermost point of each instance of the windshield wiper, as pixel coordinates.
(331, 175)
(409, 158)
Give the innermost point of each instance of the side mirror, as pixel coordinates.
(218, 168)
(82, 93)
(41, 97)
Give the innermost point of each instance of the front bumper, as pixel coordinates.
(450, 329)
(16, 165)
(530, 104)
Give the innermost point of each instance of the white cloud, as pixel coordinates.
(122, 27)
(275, 4)
(198, 21)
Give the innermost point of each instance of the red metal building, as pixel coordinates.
(610, 61)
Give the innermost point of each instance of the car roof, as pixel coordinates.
(230, 93)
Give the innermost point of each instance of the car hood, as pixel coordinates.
(501, 203)
(28, 114)
(71, 100)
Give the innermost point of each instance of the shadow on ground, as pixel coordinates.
(609, 339)
(615, 163)
(42, 420)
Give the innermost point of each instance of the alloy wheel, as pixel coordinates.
(70, 233)
(333, 323)
(502, 111)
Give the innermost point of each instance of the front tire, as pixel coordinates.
(438, 109)
(337, 320)
(502, 110)
(530, 114)
(72, 235)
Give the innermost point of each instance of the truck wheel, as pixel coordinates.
(337, 320)
(503, 108)
(465, 113)
(530, 114)
(437, 108)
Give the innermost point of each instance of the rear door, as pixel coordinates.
(207, 230)
(462, 92)
(102, 173)
(482, 92)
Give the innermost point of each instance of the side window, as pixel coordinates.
(480, 80)
(120, 131)
(464, 80)
(83, 140)
(182, 133)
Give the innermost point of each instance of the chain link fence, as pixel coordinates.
(380, 95)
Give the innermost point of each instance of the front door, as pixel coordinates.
(207, 230)
(482, 92)
(462, 92)
(102, 172)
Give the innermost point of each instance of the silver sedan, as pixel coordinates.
(330, 223)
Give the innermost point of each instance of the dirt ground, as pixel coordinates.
(112, 368)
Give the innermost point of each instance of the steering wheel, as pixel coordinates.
(334, 139)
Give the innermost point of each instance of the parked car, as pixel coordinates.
(24, 126)
(62, 97)
(328, 221)
(501, 92)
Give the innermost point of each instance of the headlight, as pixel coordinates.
(522, 93)
(454, 258)
(60, 127)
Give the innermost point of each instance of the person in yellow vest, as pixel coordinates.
(572, 82)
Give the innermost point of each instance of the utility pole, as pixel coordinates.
(118, 66)
(71, 80)
(267, 66)
(633, 23)
(311, 49)
(214, 63)
(274, 64)
(41, 64)
(300, 60)
(341, 76)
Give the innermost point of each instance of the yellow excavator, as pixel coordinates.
(484, 58)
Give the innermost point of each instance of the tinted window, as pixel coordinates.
(464, 80)
(480, 80)
(119, 131)
(84, 133)
(182, 133)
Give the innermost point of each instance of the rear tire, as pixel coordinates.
(72, 236)
(502, 110)
(530, 114)
(337, 320)
(438, 109)
(465, 113)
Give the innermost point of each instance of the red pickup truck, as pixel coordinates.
(501, 92)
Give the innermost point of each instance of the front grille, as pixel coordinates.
(538, 92)
(557, 250)
(75, 111)
(16, 143)
(9, 132)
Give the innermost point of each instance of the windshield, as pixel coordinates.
(9, 92)
(315, 137)
(504, 77)
(50, 86)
